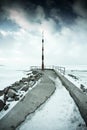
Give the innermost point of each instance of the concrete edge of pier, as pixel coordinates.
(79, 97)
(32, 100)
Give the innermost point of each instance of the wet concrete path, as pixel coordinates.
(58, 113)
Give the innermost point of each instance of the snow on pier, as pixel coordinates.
(58, 113)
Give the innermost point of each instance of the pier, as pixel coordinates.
(39, 94)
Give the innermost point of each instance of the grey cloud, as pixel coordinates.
(65, 32)
(80, 7)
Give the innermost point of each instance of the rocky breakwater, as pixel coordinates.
(30, 101)
(17, 90)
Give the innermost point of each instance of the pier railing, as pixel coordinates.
(60, 69)
(57, 68)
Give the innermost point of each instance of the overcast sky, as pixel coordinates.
(65, 32)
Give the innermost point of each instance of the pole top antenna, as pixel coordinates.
(43, 34)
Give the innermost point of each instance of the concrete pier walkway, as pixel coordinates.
(33, 99)
(57, 113)
(37, 96)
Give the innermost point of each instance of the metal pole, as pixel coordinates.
(42, 50)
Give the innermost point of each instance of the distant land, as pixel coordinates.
(80, 70)
(2, 65)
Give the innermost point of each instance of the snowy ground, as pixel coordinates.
(81, 78)
(78, 76)
(9, 75)
(13, 103)
(58, 113)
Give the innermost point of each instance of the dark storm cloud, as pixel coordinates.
(66, 10)
(80, 8)
(65, 7)
(5, 22)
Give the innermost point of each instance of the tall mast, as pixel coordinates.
(42, 50)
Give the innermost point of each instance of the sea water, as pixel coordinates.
(9, 75)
